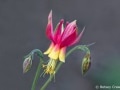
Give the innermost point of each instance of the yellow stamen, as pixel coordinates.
(50, 67)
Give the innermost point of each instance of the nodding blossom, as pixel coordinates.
(61, 38)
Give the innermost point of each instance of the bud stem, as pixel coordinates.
(37, 75)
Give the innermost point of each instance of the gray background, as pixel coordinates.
(22, 29)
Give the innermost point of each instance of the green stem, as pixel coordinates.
(37, 75)
(57, 68)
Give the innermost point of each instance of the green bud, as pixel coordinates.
(28, 59)
(27, 63)
(86, 63)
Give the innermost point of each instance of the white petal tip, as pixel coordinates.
(62, 61)
(83, 29)
(75, 21)
(50, 14)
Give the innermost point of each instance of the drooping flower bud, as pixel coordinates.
(29, 58)
(86, 63)
(27, 63)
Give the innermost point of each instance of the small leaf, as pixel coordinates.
(86, 63)
(27, 63)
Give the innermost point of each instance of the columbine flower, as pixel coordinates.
(61, 38)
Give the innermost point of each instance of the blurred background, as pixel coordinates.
(22, 29)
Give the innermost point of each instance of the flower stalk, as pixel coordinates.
(37, 75)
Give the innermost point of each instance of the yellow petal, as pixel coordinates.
(54, 52)
(62, 54)
(49, 49)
